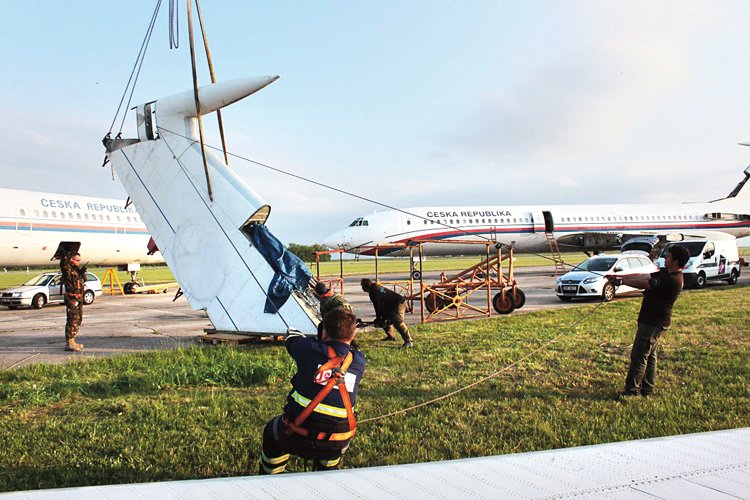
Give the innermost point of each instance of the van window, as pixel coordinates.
(694, 247)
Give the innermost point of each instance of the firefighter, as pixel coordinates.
(318, 420)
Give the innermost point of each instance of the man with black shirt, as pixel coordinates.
(660, 291)
(318, 420)
(390, 308)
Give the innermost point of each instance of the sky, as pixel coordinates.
(409, 103)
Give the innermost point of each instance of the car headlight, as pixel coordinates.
(558, 280)
(17, 294)
(591, 280)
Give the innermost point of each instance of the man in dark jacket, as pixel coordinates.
(73, 279)
(390, 308)
(660, 291)
(318, 421)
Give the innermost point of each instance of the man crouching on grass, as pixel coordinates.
(660, 291)
(318, 420)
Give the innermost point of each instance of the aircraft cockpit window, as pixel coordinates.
(356, 222)
(365, 223)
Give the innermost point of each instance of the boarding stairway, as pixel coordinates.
(555, 251)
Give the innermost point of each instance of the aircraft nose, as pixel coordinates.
(334, 241)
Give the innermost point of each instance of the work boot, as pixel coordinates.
(388, 338)
(71, 345)
(407, 345)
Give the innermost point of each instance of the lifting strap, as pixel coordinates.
(338, 366)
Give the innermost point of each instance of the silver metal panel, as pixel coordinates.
(707, 465)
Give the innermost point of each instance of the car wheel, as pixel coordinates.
(519, 298)
(38, 301)
(732, 278)
(608, 292)
(564, 299)
(88, 297)
(700, 280)
(503, 302)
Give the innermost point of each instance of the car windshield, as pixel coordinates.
(596, 264)
(42, 279)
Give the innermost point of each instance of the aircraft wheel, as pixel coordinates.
(733, 278)
(38, 301)
(700, 280)
(130, 287)
(608, 292)
(416, 275)
(503, 302)
(519, 298)
(88, 297)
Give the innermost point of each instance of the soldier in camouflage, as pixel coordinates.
(329, 300)
(73, 278)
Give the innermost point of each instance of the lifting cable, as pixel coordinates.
(197, 99)
(565, 331)
(135, 72)
(213, 78)
(174, 24)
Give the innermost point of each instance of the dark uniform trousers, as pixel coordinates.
(642, 371)
(277, 446)
(395, 318)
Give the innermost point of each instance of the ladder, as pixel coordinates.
(555, 251)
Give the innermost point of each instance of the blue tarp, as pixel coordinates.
(291, 272)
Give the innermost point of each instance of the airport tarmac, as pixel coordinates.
(115, 325)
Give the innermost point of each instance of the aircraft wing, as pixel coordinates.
(706, 465)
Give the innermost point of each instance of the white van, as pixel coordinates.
(709, 260)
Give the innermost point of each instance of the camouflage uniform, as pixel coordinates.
(73, 278)
(330, 302)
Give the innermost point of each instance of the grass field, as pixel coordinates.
(199, 412)
(162, 274)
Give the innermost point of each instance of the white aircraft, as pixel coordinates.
(37, 227)
(574, 227)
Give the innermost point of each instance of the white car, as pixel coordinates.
(45, 289)
(587, 279)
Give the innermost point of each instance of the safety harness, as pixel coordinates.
(338, 366)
